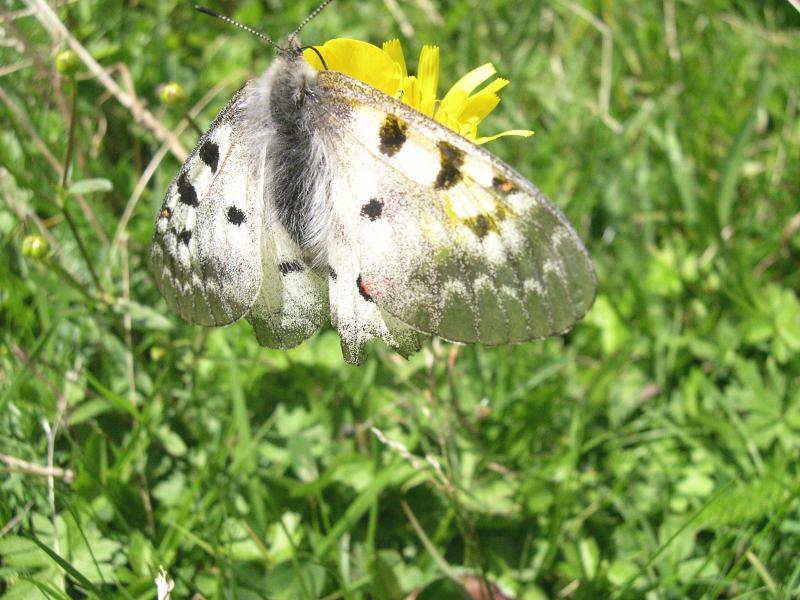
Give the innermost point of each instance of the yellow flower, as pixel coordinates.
(461, 109)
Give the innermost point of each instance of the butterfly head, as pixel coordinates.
(290, 48)
(289, 81)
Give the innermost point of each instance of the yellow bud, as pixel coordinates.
(157, 353)
(172, 94)
(67, 62)
(34, 246)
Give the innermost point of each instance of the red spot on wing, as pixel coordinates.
(363, 289)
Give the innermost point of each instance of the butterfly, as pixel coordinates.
(314, 196)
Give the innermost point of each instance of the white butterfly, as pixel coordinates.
(313, 194)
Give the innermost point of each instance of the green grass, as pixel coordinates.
(652, 452)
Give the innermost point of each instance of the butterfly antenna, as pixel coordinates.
(309, 17)
(263, 37)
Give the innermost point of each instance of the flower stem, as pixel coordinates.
(62, 196)
(192, 123)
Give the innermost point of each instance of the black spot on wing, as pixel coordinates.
(481, 225)
(235, 216)
(449, 172)
(331, 273)
(372, 209)
(290, 266)
(186, 191)
(166, 213)
(363, 289)
(209, 154)
(185, 235)
(392, 135)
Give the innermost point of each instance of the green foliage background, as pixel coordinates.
(651, 452)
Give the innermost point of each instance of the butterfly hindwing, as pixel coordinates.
(453, 241)
(206, 247)
(292, 303)
(354, 314)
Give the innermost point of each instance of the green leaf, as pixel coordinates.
(732, 168)
(614, 333)
(144, 317)
(70, 570)
(747, 502)
(384, 581)
(89, 186)
(294, 580)
(394, 474)
(444, 589)
(21, 551)
(590, 557)
(141, 554)
(28, 585)
(173, 443)
(681, 167)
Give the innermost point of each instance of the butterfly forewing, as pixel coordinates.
(206, 246)
(452, 240)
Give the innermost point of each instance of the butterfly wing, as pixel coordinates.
(206, 246)
(354, 313)
(453, 241)
(291, 305)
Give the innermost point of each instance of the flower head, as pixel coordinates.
(461, 109)
(67, 62)
(34, 246)
(172, 94)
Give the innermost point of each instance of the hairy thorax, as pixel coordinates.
(288, 98)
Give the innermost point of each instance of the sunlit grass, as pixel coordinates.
(651, 451)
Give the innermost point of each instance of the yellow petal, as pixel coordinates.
(479, 106)
(359, 60)
(469, 129)
(412, 93)
(519, 132)
(495, 86)
(428, 75)
(445, 118)
(472, 80)
(395, 51)
(453, 103)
